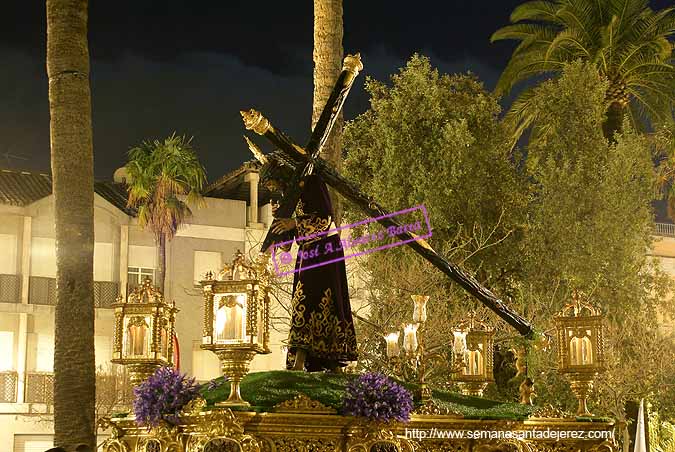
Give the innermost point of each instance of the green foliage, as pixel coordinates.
(164, 177)
(572, 211)
(625, 39)
(430, 139)
(589, 193)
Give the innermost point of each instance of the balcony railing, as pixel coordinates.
(10, 288)
(40, 387)
(664, 229)
(8, 383)
(105, 293)
(112, 391)
(43, 291)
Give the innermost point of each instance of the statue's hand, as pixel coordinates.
(283, 225)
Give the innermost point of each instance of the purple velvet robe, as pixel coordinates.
(321, 320)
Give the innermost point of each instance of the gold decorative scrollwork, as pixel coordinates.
(194, 406)
(219, 424)
(430, 407)
(112, 445)
(301, 403)
(549, 411)
(288, 444)
(162, 438)
(146, 293)
(374, 435)
(505, 445)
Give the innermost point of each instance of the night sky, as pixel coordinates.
(190, 66)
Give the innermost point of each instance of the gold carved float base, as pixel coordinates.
(302, 424)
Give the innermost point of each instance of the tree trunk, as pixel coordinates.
(161, 262)
(614, 122)
(73, 187)
(328, 56)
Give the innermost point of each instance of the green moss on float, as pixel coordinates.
(263, 390)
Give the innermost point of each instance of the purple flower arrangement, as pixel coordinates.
(162, 396)
(376, 397)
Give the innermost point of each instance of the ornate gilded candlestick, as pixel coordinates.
(143, 332)
(415, 364)
(236, 318)
(473, 350)
(581, 355)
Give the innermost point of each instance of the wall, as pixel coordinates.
(11, 227)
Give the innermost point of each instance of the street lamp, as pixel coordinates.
(237, 319)
(579, 328)
(143, 332)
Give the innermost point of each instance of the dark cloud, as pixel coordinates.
(198, 94)
(189, 67)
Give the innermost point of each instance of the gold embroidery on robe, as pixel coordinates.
(311, 224)
(322, 333)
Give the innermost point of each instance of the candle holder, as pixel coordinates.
(237, 319)
(143, 332)
(579, 328)
(473, 348)
(415, 364)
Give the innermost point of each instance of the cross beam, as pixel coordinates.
(307, 160)
(350, 69)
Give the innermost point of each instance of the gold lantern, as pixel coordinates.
(236, 318)
(579, 328)
(144, 327)
(472, 352)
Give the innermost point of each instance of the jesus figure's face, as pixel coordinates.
(274, 185)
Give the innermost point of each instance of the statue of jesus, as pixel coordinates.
(321, 335)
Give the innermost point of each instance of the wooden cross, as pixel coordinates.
(306, 161)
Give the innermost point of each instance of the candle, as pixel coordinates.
(392, 344)
(420, 308)
(410, 338)
(586, 351)
(459, 345)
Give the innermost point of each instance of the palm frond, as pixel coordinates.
(568, 41)
(535, 10)
(628, 42)
(518, 32)
(521, 115)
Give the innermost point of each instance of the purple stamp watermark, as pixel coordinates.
(326, 252)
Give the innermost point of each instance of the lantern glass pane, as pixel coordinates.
(229, 318)
(586, 351)
(164, 341)
(474, 361)
(575, 351)
(137, 336)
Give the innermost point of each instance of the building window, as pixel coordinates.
(206, 261)
(136, 275)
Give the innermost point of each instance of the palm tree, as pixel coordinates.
(165, 178)
(72, 164)
(625, 39)
(328, 54)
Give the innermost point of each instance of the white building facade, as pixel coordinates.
(124, 255)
